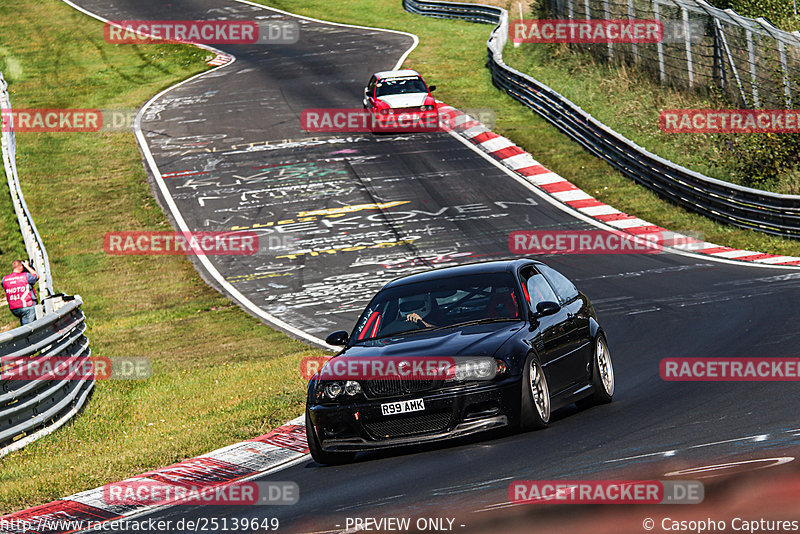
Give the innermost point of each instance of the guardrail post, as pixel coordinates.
(634, 46)
(607, 13)
(731, 62)
(751, 54)
(787, 90)
(687, 37)
(718, 67)
(662, 74)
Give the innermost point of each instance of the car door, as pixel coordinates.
(579, 352)
(369, 93)
(552, 340)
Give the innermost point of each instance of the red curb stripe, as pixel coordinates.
(613, 217)
(796, 262)
(585, 203)
(507, 152)
(636, 230)
(557, 187)
(292, 437)
(483, 137)
(757, 257)
(533, 170)
(717, 249)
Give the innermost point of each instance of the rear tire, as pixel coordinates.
(324, 457)
(602, 376)
(534, 412)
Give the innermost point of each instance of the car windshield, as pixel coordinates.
(436, 304)
(398, 86)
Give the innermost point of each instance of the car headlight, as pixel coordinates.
(426, 108)
(333, 390)
(386, 111)
(477, 369)
(351, 387)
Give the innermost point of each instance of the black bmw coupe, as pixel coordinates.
(520, 340)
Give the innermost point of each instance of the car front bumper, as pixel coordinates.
(448, 414)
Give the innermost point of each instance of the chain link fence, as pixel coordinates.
(752, 62)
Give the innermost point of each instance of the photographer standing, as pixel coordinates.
(20, 293)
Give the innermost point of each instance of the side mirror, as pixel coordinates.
(547, 307)
(338, 338)
(431, 88)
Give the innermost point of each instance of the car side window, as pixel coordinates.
(371, 86)
(537, 288)
(565, 289)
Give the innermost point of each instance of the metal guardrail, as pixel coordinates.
(745, 207)
(30, 409)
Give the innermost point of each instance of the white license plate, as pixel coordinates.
(392, 408)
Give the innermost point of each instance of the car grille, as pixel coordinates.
(398, 426)
(414, 109)
(398, 386)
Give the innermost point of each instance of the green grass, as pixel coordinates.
(219, 375)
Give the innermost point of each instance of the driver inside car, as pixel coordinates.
(418, 309)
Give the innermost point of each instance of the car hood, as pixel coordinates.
(475, 340)
(406, 100)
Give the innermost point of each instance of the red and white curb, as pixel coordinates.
(219, 59)
(280, 448)
(522, 163)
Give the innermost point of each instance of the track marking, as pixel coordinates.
(714, 469)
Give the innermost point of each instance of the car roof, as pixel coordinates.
(497, 266)
(396, 74)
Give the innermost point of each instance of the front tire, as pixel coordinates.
(602, 376)
(324, 457)
(535, 399)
